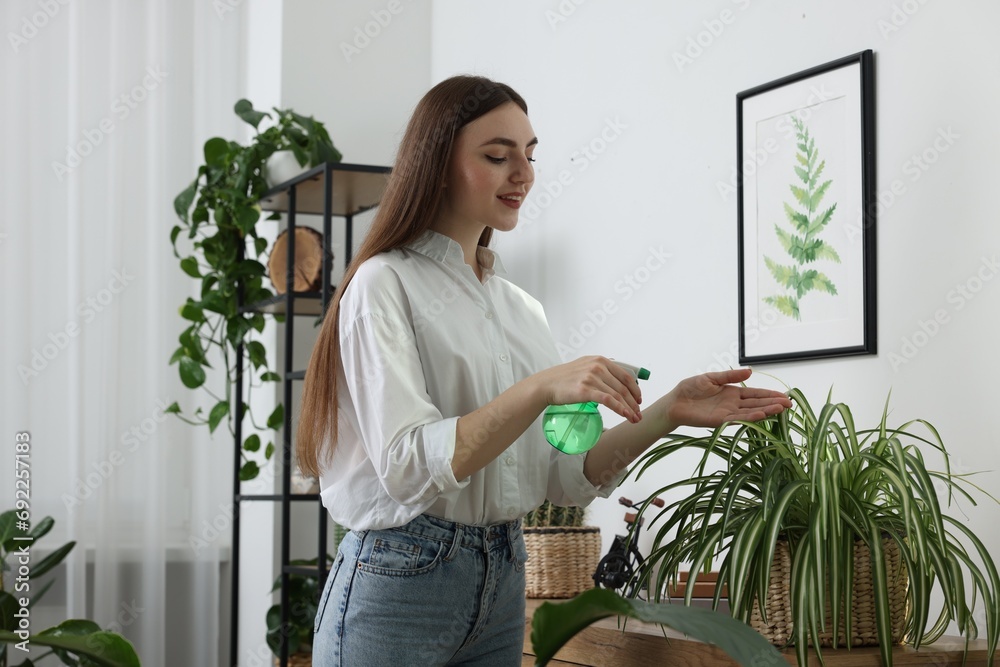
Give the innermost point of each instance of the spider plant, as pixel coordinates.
(818, 482)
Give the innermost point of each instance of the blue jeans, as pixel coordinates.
(429, 593)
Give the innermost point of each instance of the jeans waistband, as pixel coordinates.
(473, 537)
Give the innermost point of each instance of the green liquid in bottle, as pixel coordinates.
(574, 428)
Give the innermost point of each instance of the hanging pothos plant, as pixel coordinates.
(219, 212)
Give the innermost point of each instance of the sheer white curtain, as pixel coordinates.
(105, 106)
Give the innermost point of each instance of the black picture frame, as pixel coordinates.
(807, 271)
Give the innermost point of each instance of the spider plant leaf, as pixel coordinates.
(722, 581)
(919, 592)
(807, 412)
(698, 561)
(800, 605)
(817, 568)
(742, 549)
(990, 590)
(953, 487)
(834, 551)
(931, 510)
(883, 624)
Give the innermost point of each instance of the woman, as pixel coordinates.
(439, 369)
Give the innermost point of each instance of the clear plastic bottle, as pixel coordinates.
(575, 428)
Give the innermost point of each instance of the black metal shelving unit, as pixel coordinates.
(329, 190)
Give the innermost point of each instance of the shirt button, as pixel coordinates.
(489, 314)
(509, 460)
(511, 512)
(503, 357)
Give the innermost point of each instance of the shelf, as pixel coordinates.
(305, 303)
(307, 571)
(350, 189)
(356, 188)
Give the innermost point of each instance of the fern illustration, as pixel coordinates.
(802, 243)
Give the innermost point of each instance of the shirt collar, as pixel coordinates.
(447, 250)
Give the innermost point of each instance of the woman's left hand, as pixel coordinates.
(713, 398)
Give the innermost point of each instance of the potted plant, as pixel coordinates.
(562, 552)
(806, 511)
(73, 642)
(303, 595)
(219, 213)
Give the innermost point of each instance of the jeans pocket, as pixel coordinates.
(321, 606)
(398, 553)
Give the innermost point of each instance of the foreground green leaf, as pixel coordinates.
(104, 649)
(555, 623)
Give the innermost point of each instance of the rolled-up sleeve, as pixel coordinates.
(569, 487)
(409, 442)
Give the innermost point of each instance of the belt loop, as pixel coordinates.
(456, 542)
(511, 528)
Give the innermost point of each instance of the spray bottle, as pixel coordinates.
(576, 427)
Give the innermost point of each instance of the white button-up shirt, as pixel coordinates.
(424, 342)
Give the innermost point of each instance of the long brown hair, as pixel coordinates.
(409, 206)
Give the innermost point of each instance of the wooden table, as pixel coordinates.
(604, 644)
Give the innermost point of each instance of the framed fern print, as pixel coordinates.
(806, 212)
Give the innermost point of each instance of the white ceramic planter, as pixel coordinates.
(282, 166)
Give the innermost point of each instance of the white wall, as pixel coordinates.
(610, 67)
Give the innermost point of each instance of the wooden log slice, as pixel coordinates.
(308, 261)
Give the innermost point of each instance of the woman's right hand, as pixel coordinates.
(596, 379)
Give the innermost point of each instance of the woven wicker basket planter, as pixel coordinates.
(779, 629)
(297, 660)
(561, 561)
